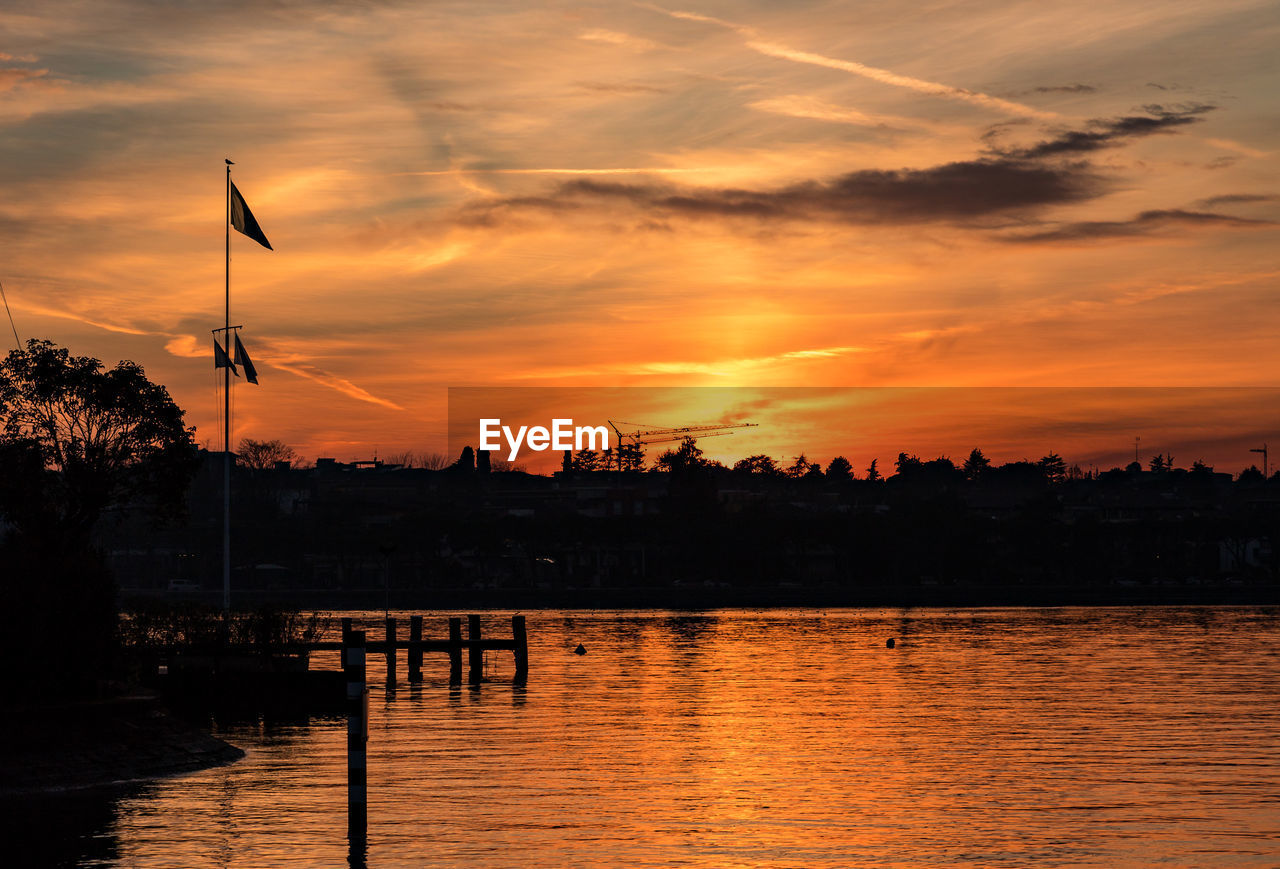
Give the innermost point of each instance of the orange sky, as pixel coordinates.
(739, 194)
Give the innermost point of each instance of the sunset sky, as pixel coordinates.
(631, 194)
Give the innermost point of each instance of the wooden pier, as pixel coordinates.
(416, 647)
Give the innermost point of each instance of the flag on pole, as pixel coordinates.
(242, 357)
(221, 359)
(244, 222)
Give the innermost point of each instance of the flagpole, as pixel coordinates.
(226, 416)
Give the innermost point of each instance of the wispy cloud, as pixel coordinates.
(800, 106)
(729, 367)
(15, 76)
(1063, 89)
(623, 40)
(1108, 133)
(1146, 223)
(189, 347)
(333, 381)
(634, 170)
(1238, 148)
(1237, 199)
(764, 46)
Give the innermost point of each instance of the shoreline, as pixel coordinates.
(74, 748)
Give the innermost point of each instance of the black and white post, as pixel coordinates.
(357, 737)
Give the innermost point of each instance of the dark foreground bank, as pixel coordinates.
(51, 749)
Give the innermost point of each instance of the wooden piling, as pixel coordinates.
(391, 652)
(455, 651)
(415, 649)
(357, 737)
(346, 631)
(522, 647)
(475, 654)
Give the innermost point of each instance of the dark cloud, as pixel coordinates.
(955, 191)
(1003, 184)
(1112, 132)
(1237, 199)
(1064, 89)
(1144, 223)
(618, 88)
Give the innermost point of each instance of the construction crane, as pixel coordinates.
(1266, 468)
(642, 436)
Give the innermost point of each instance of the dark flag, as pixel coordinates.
(221, 359)
(242, 357)
(244, 221)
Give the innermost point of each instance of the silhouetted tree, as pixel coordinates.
(101, 438)
(1199, 467)
(873, 475)
(906, 463)
(75, 440)
(1160, 463)
(799, 467)
(263, 455)
(757, 464)
(1250, 474)
(483, 465)
(1054, 468)
(432, 461)
(631, 457)
(466, 460)
(976, 464)
(839, 469)
(586, 460)
(686, 457)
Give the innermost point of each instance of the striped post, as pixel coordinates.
(391, 653)
(415, 649)
(455, 651)
(357, 737)
(522, 647)
(475, 654)
(346, 631)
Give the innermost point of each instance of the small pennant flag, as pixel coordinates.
(221, 359)
(242, 357)
(244, 221)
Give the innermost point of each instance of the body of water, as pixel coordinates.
(990, 737)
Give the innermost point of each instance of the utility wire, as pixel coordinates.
(16, 339)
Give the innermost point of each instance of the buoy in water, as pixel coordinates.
(889, 643)
(581, 650)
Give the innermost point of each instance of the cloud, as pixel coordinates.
(1002, 183)
(623, 40)
(1143, 224)
(1064, 89)
(1108, 133)
(190, 347)
(798, 106)
(333, 381)
(952, 191)
(605, 87)
(884, 76)
(12, 77)
(1237, 199)
(735, 366)
(1237, 147)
